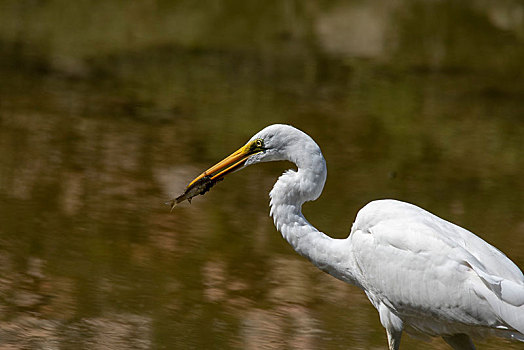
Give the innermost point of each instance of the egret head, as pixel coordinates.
(273, 143)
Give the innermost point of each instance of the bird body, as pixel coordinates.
(423, 270)
(423, 274)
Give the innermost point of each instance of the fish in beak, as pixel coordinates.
(217, 172)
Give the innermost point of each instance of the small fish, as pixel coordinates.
(199, 187)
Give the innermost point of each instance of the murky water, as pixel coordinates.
(107, 109)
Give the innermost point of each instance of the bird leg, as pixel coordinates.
(393, 339)
(459, 341)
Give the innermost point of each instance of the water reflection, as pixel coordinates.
(102, 121)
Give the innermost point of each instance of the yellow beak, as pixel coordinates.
(229, 164)
(211, 176)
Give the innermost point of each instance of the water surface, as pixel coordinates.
(107, 109)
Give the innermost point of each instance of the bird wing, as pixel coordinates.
(433, 272)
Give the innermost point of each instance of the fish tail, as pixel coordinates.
(171, 203)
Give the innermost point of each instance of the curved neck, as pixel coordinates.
(292, 190)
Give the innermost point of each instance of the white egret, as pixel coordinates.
(423, 274)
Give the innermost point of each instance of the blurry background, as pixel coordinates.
(109, 108)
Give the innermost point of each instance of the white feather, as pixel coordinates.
(422, 273)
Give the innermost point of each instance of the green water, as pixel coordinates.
(109, 108)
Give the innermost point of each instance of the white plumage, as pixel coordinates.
(423, 274)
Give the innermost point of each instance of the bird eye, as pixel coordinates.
(259, 143)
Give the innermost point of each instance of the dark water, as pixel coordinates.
(109, 108)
